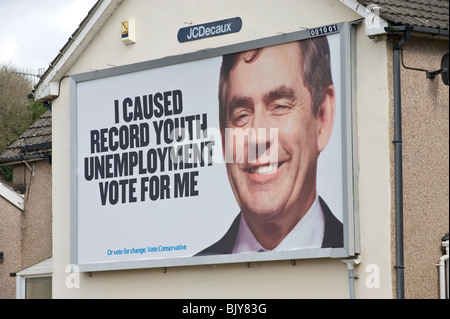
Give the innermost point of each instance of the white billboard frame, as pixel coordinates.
(344, 30)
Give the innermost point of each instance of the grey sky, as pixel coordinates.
(33, 31)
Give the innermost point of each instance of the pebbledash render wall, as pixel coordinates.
(425, 130)
(26, 236)
(10, 245)
(157, 23)
(37, 217)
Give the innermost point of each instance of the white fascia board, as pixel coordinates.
(40, 269)
(12, 196)
(48, 89)
(374, 24)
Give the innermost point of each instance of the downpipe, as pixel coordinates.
(400, 268)
(443, 273)
(351, 274)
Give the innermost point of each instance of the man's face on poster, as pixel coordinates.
(269, 93)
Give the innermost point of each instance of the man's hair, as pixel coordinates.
(315, 58)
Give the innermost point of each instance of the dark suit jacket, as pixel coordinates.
(333, 237)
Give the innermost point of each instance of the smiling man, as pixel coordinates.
(287, 88)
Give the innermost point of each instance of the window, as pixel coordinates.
(38, 288)
(35, 282)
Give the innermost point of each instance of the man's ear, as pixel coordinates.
(325, 118)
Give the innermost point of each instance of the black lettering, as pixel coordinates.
(103, 192)
(181, 185)
(162, 153)
(144, 132)
(132, 190)
(193, 183)
(113, 192)
(152, 158)
(116, 111)
(154, 188)
(187, 156)
(168, 128)
(147, 106)
(157, 101)
(88, 168)
(158, 125)
(95, 141)
(203, 126)
(99, 166)
(109, 191)
(196, 155)
(167, 111)
(108, 169)
(134, 135)
(144, 187)
(165, 186)
(176, 159)
(122, 184)
(189, 120)
(142, 170)
(123, 137)
(121, 164)
(178, 133)
(138, 109)
(127, 103)
(186, 184)
(133, 160)
(113, 145)
(103, 140)
(177, 102)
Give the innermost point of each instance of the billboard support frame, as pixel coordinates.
(351, 242)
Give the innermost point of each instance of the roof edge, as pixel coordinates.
(417, 29)
(47, 88)
(26, 158)
(12, 196)
(374, 24)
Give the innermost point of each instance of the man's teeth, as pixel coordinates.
(264, 169)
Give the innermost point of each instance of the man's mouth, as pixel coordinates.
(264, 169)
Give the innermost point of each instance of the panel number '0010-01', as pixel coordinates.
(323, 30)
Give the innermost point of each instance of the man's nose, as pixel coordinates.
(261, 138)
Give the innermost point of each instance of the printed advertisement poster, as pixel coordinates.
(237, 156)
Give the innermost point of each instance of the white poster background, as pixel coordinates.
(168, 222)
(106, 233)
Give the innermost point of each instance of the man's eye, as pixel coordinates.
(279, 108)
(240, 119)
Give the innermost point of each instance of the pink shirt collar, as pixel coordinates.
(308, 233)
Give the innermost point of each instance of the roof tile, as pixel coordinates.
(37, 138)
(423, 13)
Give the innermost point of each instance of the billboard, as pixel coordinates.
(239, 153)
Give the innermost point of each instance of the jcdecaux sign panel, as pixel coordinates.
(211, 29)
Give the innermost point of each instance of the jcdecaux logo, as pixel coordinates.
(210, 29)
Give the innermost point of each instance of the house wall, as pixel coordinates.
(26, 236)
(10, 245)
(425, 129)
(372, 170)
(157, 23)
(36, 224)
